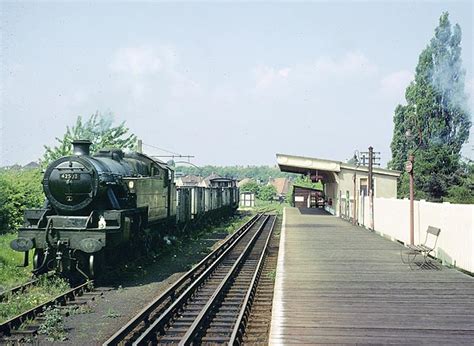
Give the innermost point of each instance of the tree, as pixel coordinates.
(250, 186)
(98, 129)
(305, 181)
(266, 192)
(464, 192)
(19, 190)
(437, 116)
(257, 173)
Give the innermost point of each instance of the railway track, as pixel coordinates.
(210, 303)
(10, 331)
(23, 287)
(258, 319)
(18, 289)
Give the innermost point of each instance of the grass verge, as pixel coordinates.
(270, 206)
(46, 289)
(10, 273)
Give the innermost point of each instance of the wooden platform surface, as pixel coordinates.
(337, 283)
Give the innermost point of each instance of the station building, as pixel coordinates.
(338, 178)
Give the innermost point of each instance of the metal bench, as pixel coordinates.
(409, 255)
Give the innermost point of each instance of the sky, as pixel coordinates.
(230, 83)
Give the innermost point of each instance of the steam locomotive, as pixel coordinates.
(99, 206)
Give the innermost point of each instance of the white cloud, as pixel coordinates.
(394, 84)
(142, 60)
(267, 76)
(317, 72)
(352, 63)
(148, 73)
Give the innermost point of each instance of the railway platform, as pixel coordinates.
(338, 283)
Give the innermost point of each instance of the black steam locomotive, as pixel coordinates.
(98, 206)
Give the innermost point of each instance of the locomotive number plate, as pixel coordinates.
(70, 176)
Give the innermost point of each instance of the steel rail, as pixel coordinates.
(170, 294)
(239, 328)
(15, 322)
(159, 323)
(220, 290)
(21, 288)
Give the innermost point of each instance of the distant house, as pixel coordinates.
(15, 167)
(282, 186)
(244, 181)
(189, 180)
(215, 180)
(31, 165)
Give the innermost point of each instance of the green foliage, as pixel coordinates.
(98, 129)
(464, 191)
(263, 192)
(10, 272)
(19, 190)
(437, 116)
(111, 313)
(251, 187)
(266, 193)
(271, 275)
(53, 325)
(257, 173)
(269, 206)
(46, 289)
(305, 181)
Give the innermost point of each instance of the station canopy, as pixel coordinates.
(317, 169)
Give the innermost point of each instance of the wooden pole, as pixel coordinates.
(371, 187)
(411, 160)
(354, 209)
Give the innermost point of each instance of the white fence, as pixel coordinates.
(392, 219)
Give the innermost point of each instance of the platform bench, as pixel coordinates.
(409, 255)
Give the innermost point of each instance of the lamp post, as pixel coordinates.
(409, 169)
(409, 166)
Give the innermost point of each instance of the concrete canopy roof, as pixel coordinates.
(328, 169)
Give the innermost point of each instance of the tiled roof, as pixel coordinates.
(282, 185)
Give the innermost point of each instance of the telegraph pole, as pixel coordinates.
(371, 186)
(354, 207)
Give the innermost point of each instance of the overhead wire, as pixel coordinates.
(165, 150)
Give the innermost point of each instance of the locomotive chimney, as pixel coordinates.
(81, 147)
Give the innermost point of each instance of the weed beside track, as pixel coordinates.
(46, 289)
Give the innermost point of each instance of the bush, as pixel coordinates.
(266, 193)
(251, 186)
(19, 190)
(462, 194)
